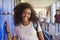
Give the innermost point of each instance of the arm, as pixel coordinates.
(40, 35)
(55, 16)
(14, 38)
(8, 31)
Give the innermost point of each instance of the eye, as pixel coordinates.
(23, 12)
(29, 13)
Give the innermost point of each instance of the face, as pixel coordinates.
(57, 12)
(26, 15)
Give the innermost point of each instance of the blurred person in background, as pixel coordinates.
(57, 22)
(47, 21)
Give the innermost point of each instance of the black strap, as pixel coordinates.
(47, 36)
(35, 25)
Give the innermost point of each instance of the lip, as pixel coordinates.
(25, 18)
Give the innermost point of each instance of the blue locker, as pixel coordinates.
(6, 6)
(11, 26)
(0, 28)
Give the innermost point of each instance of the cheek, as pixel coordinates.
(23, 15)
(29, 16)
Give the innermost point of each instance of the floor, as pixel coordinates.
(52, 31)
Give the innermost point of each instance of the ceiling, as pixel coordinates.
(41, 3)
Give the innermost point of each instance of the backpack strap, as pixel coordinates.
(46, 35)
(35, 25)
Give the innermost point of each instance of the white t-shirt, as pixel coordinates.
(48, 19)
(26, 32)
(41, 18)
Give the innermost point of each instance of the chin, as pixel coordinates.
(25, 20)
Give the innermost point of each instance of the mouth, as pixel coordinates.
(25, 19)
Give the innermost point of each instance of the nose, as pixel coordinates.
(26, 15)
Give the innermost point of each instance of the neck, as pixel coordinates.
(25, 23)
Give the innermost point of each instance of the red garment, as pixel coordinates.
(57, 18)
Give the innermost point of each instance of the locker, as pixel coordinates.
(3, 26)
(6, 6)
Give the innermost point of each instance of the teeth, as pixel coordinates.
(25, 18)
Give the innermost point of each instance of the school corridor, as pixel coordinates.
(45, 11)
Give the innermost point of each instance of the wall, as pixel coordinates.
(58, 5)
(41, 10)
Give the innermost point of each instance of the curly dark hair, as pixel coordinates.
(18, 13)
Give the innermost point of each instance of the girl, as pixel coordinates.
(47, 21)
(57, 22)
(24, 15)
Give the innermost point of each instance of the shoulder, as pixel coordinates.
(16, 27)
(39, 27)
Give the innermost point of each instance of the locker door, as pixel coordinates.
(11, 26)
(9, 18)
(6, 6)
(0, 20)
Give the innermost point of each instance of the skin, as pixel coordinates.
(8, 31)
(26, 16)
(57, 12)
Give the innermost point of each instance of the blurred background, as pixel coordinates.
(45, 10)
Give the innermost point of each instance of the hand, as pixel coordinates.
(7, 27)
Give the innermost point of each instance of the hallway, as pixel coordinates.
(52, 31)
(42, 8)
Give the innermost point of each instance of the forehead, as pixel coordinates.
(57, 11)
(27, 9)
